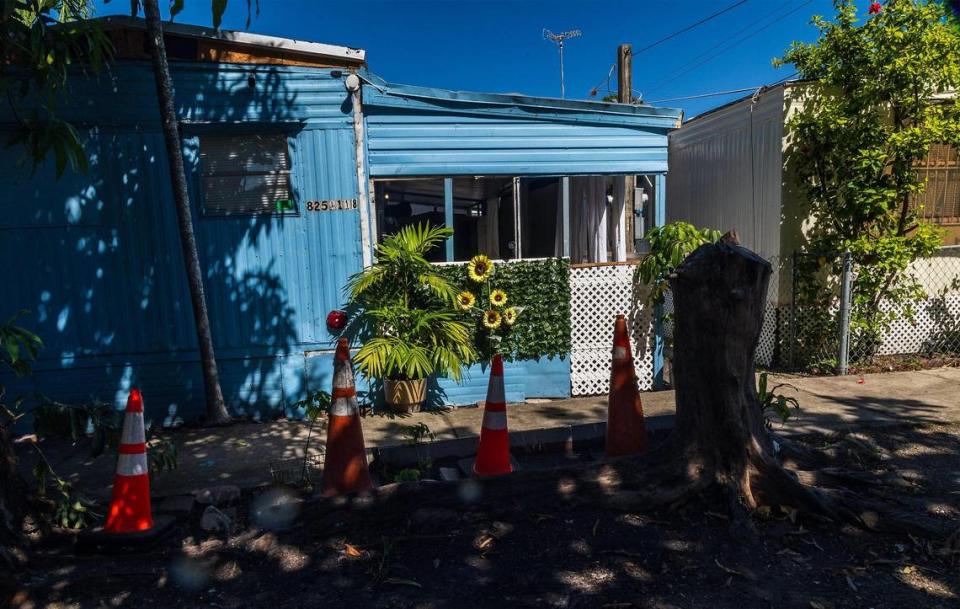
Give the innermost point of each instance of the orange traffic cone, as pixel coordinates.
(626, 432)
(130, 524)
(130, 510)
(493, 453)
(345, 468)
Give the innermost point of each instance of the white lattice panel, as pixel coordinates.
(768, 336)
(935, 320)
(930, 321)
(597, 295)
(767, 344)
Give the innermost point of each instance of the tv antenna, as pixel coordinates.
(558, 40)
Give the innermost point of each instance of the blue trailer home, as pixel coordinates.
(293, 153)
(519, 178)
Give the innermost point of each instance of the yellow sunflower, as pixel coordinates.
(498, 298)
(491, 319)
(465, 300)
(510, 316)
(480, 268)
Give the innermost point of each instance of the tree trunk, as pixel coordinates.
(216, 411)
(719, 293)
(719, 297)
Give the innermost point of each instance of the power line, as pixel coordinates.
(717, 93)
(595, 89)
(714, 94)
(689, 67)
(690, 27)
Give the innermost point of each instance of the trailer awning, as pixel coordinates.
(423, 131)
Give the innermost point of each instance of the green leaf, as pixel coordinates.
(218, 7)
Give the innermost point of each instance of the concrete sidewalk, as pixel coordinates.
(874, 400)
(241, 454)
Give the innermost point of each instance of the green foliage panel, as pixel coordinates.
(542, 289)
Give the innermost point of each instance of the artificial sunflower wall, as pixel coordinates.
(520, 310)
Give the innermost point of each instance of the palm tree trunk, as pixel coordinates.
(216, 411)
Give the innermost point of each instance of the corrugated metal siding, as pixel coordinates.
(547, 378)
(473, 386)
(543, 378)
(726, 172)
(97, 258)
(422, 138)
(218, 93)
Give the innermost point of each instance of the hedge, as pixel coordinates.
(542, 288)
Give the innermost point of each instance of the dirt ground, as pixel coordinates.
(548, 556)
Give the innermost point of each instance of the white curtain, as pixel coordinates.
(618, 220)
(588, 219)
(558, 233)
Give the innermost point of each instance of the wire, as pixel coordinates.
(689, 27)
(717, 93)
(613, 66)
(594, 90)
(714, 94)
(784, 79)
(689, 67)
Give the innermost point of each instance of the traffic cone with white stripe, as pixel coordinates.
(345, 466)
(130, 524)
(493, 452)
(626, 431)
(130, 510)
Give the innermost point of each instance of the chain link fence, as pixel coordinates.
(821, 322)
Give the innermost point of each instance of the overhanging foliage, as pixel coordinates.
(873, 109)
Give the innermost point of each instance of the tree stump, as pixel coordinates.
(719, 296)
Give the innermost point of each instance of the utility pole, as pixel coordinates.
(625, 96)
(624, 74)
(558, 40)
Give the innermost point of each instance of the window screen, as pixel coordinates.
(245, 174)
(941, 171)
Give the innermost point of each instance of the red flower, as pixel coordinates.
(875, 8)
(336, 320)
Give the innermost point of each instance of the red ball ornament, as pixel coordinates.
(875, 8)
(336, 319)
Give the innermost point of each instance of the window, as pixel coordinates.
(482, 213)
(245, 175)
(404, 202)
(483, 218)
(508, 218)
(940, 200)
(541, 233)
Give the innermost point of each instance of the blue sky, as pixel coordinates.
(497, 46)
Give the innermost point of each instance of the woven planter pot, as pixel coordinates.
(405, 396)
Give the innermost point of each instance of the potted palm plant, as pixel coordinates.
(403, 312)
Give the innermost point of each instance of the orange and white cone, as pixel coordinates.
(345, 466)
(626, 431)
(493, 452)
(130, 510)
